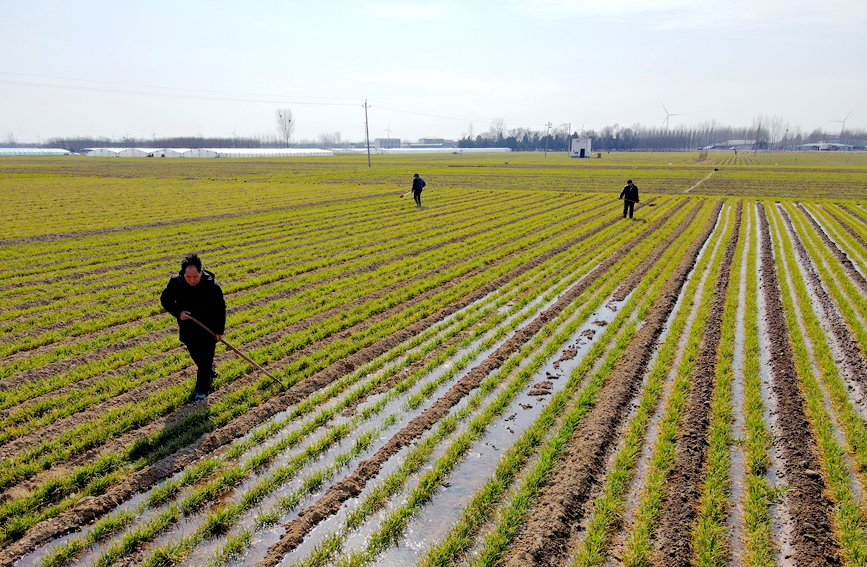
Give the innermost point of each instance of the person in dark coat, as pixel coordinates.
(417, 185)
(630, 197)
(195, 292)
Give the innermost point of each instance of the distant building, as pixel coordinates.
(826, 147)
(386, 143)
(434, 142)
(740, 145)
(579, 147)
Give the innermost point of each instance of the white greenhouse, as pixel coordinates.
(32, 152)
(100, 152)
(133, 152)
(169, 152)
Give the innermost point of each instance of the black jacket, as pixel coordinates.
(203, 301)
(630, 193)
(417, 184)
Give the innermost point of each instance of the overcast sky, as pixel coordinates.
(126, 68)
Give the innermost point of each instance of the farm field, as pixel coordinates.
(512, 375)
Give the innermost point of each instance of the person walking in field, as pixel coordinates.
(417, 185)
(630, 197)
(194, 292)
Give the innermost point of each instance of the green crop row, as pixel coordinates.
(638, 547)
(483, 503)
(177, 549)
(850, 525)
(155, 443)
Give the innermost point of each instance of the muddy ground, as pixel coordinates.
(809, 509)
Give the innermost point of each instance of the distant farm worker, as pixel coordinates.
(193, 292)
(417, 185)
(630, 197)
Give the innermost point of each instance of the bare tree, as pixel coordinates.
(285, 123)
(470, 131)
(498, 128)
(10, 140)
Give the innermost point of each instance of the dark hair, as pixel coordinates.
(629, 181)
(191, 259)
(415, 174)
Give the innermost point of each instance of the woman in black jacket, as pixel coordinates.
(195, 292)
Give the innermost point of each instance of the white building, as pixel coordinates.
(579, 147)
(386, 143)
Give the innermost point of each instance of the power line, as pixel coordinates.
(139, 85)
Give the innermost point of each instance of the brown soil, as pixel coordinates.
(542, 388)
(66, 364)
(683, 486)
(852, 358)
(841, 256)
(852, 210)
(351, 486)
(139, 394)
(91, 508)
(551, 529)
(638, 274)
(812, 538)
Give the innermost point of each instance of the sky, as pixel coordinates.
(221, 68)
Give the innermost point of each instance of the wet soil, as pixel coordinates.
(812, 538)
(139, 393)
(849, 351)
(841, 256)
(549, 532)
(637, 275)
(329, 504)
(683, 486)
(90, 508)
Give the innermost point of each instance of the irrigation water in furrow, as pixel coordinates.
(674, 544)
(737, 464)
(334, 497)
(808, 508)
(532, 263)
(548, 532)
(688, 301)
(849, 360)
(530, 307)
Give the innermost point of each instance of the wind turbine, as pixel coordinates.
(667, 116)
(388, 130)
(843, 122)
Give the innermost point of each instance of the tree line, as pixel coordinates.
(767, 132)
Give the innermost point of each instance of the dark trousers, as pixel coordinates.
(202, 353)
(628, 206)
(417, 196)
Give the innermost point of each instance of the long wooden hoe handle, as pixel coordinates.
(238, 352)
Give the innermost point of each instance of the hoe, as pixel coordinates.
(238, 352)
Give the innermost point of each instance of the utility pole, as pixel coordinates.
(366, 132)
(548, 135)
